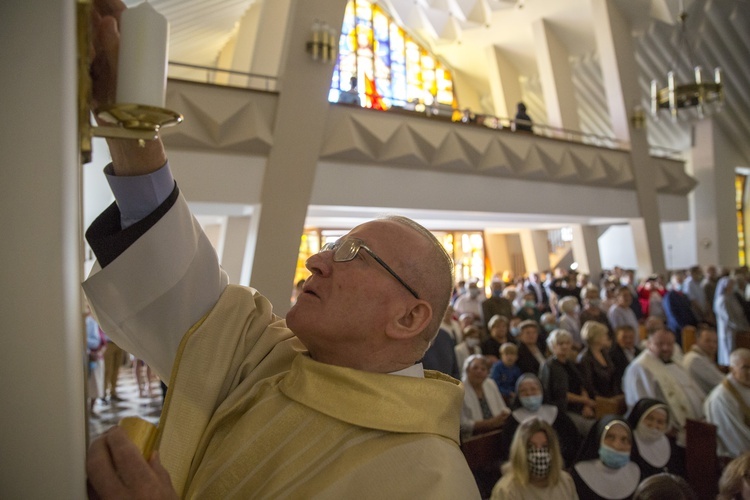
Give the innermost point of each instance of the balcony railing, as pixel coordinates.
(268, 83)
(224, 77)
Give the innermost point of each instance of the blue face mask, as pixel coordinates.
(515, 331)
(612, 458)
(548, 327)
(531, 403)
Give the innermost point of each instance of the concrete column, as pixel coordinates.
(714, 197)
(586, 250)
(504, 84)
(43, 431)
(556, 77)
(235, 246)
(258, 45)
(620, 72)
(290, 170)
(535, 250)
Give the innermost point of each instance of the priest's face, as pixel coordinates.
(344, 308)
(741, 371)
(661, 344)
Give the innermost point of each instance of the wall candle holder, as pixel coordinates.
(121, 120)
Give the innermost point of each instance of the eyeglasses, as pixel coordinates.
(346, 249)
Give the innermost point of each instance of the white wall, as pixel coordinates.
(42, 436)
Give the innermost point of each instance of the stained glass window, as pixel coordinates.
(739, 189)
(391, 68)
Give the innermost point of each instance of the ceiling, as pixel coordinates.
(461, 31)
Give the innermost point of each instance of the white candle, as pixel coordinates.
(142, 71)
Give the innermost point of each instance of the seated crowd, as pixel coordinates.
(590, 386)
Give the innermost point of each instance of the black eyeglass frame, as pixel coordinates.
(358, 245)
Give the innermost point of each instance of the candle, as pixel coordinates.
(142, 68)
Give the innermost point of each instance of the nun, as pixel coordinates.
(604, 469)
(652, 451)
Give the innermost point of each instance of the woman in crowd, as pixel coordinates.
(735, 480)
(730, 318)
(562, 382)
(652, 450)
(534, 470)
(484, 409)
(592, 307)
(594, 363)
(528, 404)
(604, 469)
(499, 328)
(570, 321)
(530, 357)
(470, 345)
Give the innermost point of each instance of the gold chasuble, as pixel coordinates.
(250, 415)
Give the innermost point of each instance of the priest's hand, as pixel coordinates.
(116, 469)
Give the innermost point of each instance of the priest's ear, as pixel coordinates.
(410, 321)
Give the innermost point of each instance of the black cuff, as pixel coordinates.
(107, 238)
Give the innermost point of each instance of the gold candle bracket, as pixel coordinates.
(119, 121)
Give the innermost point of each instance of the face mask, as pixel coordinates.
(497, 293)
(549, 327)
(529, 303)
(515, 331)
(595, 303)
(648, 434)
(531, 403)
(474, 293)
(539, 461)
(612, 458)
(472, 342)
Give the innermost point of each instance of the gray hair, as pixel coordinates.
(556, 335)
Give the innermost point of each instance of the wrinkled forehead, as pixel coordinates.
(382, 232)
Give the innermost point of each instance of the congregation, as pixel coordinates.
(599, 377)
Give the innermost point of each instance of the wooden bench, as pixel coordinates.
(688, 338)
(610, 406)
(483, 454)
(702, 467)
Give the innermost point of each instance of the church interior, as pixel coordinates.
(275, 166)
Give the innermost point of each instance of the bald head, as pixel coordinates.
(431, 272)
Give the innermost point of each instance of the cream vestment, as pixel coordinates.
(248, 413)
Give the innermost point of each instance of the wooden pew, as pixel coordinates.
(483, 454)
(610, 406)
(742, 340)
(702, 467)
(688, 338)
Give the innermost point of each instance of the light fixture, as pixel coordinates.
(696, 95)
(322, 46)
(638, 117)
(139, 113)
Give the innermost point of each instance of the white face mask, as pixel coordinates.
(472, 342)
(648, 434)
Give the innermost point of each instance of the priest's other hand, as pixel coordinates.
(116, 469)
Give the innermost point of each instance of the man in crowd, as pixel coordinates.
(623, 351)
(496, 303)
(728, 406)
(471, 302)
(700, 362)
(331, 402)
(692, 288)
(534, 284)
(677, 307)
(653, 374)
(441, 356)
(620, 313)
